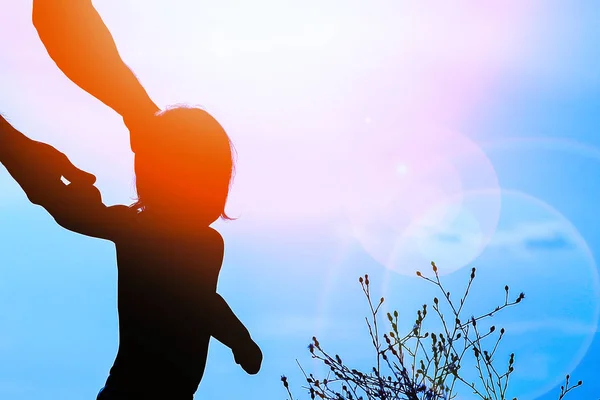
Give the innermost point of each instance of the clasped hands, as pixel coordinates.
(39, 168)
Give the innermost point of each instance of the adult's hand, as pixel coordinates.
(36, 166)
(55, 164)
(39, 168)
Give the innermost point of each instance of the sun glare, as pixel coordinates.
(402, 169)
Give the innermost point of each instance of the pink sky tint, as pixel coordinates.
(294, 85)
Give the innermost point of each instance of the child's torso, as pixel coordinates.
(164, 283)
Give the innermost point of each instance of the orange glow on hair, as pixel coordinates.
(184, 160)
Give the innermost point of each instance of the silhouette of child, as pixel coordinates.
(168, 256)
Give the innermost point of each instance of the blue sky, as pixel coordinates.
(493, 110)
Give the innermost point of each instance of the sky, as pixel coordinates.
(372, 137)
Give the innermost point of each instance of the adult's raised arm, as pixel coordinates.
(83, 48)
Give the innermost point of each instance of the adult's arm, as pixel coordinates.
(83, 48)
(10, 140)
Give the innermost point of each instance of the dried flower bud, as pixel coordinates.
(419, 274)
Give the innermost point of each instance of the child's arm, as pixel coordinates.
(226, 327)
(79, 208)
(38, 167)
(83, 48)
(230, 331)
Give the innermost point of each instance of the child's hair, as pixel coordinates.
(185, 159)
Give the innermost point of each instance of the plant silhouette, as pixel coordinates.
(420, 365)
(168, 256)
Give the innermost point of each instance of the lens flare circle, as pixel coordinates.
(412, 186)
(452, 233)
(535, 250)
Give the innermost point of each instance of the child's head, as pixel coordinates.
(184, 165)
